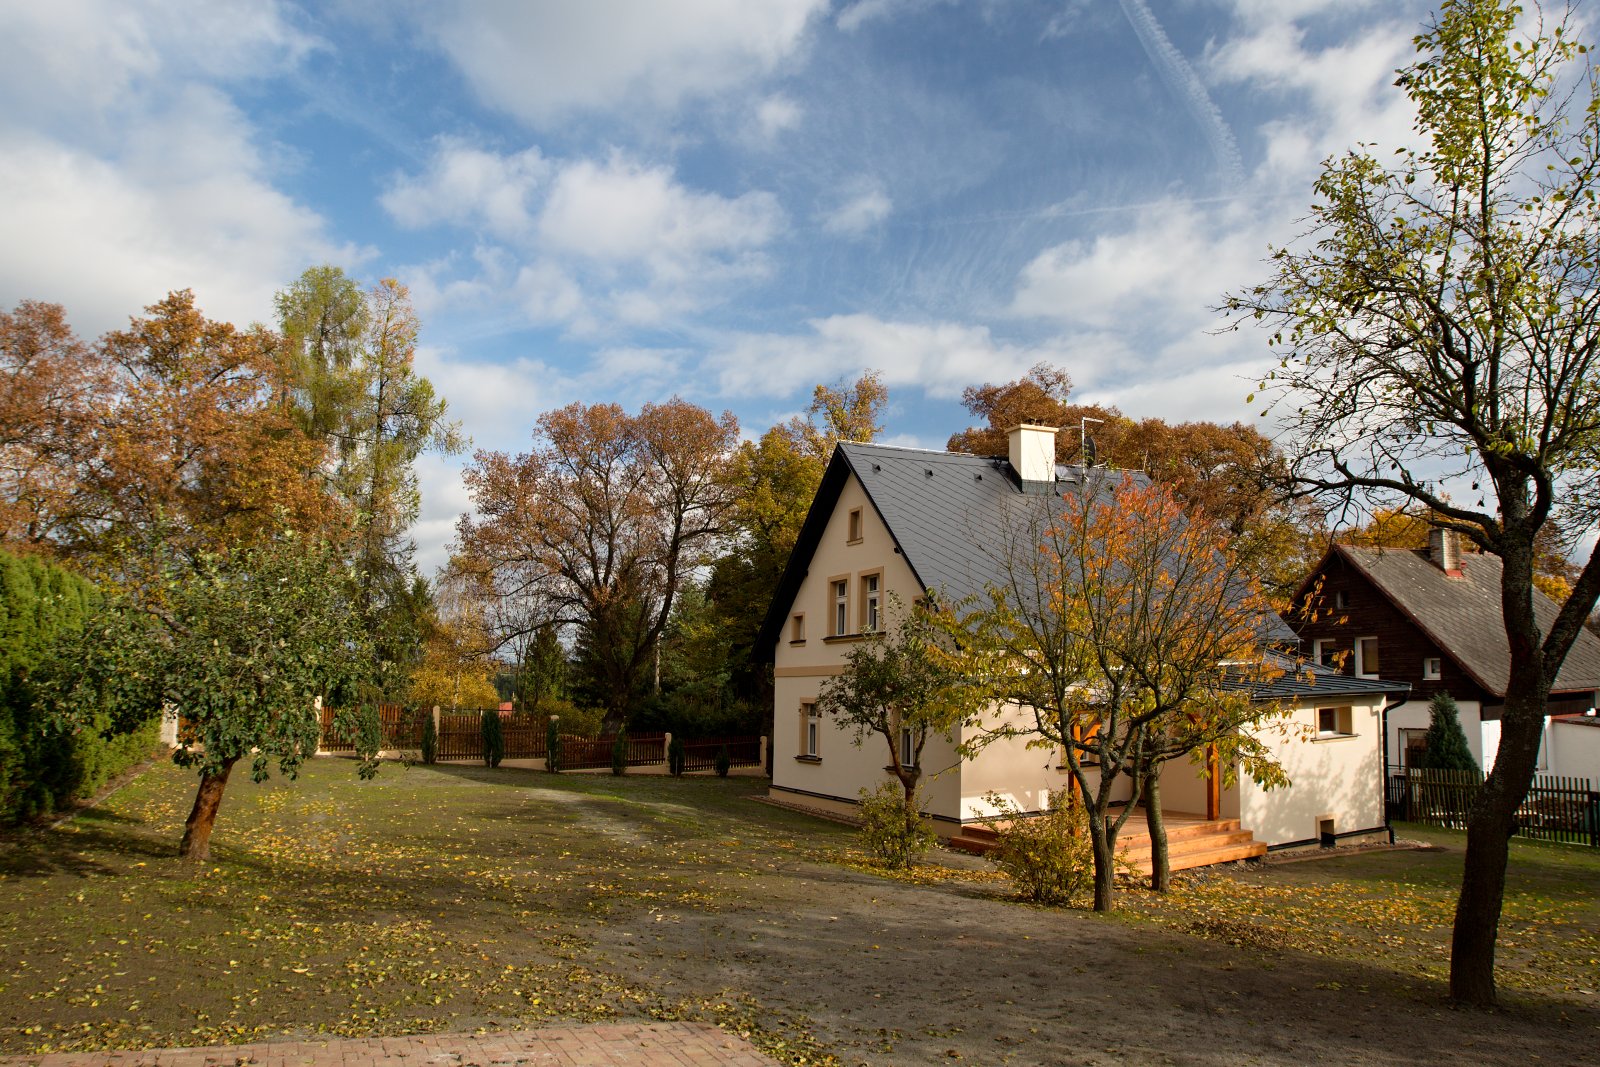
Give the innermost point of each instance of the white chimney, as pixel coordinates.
(1033, 452)
(1444, 549)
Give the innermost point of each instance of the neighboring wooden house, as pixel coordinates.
(1432, 618)
(900, 522)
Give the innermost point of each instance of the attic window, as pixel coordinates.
(855, 525)
(1432, 668)
(1341, 600)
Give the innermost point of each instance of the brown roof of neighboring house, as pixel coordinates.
(1462, 615)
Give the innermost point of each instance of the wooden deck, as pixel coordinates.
(1192, 841)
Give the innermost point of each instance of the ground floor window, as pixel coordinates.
(810, 731)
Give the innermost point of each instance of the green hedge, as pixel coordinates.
(42, 769)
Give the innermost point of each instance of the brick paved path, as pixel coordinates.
(610, 1045)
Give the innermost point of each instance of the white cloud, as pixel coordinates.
(858, 14)
(540, 62)
(620, 211)
(125, 173)
(776, 114)
(940, 358)
(865, 205)
(467, 185)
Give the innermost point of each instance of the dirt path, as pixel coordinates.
(889, 973)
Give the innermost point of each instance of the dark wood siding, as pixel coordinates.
(1402, 647)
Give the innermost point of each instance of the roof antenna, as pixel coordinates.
(1090, 457)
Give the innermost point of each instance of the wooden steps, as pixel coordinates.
(1191, 842)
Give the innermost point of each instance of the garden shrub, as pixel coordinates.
(1445, 745)
(891, 829)
(1049, 856)
(723, 762)
(494, 738)
(552, 746)
(430, 738)
(43, 608)
(675, 758)
(619, 754)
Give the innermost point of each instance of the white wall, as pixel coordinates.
(1483, 738)
(1337, 778)
(1573, 749)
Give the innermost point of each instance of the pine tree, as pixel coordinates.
(1446, 745)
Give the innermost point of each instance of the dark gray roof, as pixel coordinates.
(1300, 680)
(949, 513)
(1462, 615)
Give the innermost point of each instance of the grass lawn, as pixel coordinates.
(454, 898)
(1395, 909)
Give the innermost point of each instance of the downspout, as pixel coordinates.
(1384, 778)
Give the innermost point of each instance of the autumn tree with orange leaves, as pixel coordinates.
(1110, 631)
(602, 521)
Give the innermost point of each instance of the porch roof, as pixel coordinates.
(1303, 681)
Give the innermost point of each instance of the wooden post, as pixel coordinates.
(1213, 783)
(317, 704)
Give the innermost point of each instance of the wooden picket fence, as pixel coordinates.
(586, 753)
(701, 755)
(1557, 807)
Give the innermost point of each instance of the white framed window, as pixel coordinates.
(871, 600)
(1367, 663)
(908, 747)
(1334, 722)
(1322, 652)
(841, 606)
(1432, 668)
(810, 731)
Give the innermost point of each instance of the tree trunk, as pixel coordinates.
(1160, 865)
(1105, 869)
(1493, 816)
(196, 843)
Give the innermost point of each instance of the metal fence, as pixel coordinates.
(1557, 807)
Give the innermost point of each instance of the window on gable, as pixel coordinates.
(1432, 668)
(871, 600)
(841, 606)
(1341, 600)
(1367, 657)
(1322, 652)
(855, 525)
(797, 628)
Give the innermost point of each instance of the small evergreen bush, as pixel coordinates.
(430, 738)
(494, 738)
(1445, 746)
(675, 758)
(369, 732)
(552, 746)
(891, 830)
(1049, 857)
(619, 754)
(723, 762)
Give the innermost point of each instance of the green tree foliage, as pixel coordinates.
(241, 647)
(494, 738)
(42, 610)
(1445, 743)
(900, 688)
(1437, 327)
(348, 357)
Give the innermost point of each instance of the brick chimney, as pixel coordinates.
(1033, 452)
(1444, 550)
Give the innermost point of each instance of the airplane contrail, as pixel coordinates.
(1181, 79)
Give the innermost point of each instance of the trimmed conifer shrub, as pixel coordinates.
(430, 739)
(675, 758)
(619, 754)
(1445, 745)
(723, 762)
(552, 746)
(494, 739)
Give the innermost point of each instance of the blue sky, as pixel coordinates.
(730, 200)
